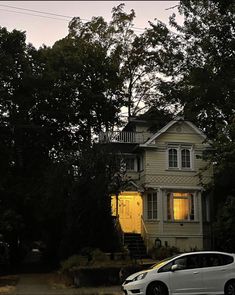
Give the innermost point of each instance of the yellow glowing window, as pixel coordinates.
(180, 206)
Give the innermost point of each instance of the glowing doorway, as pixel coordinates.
(129, 211)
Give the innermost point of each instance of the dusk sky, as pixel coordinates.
(47, 21)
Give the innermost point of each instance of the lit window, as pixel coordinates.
(152, 205)
(180, 206)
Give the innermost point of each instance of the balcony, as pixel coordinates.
(123, 137)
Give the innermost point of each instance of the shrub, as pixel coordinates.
(73, 261)
(162, 252)
(98, 256)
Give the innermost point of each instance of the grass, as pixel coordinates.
(8, 283)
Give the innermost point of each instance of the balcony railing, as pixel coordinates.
(123, 137)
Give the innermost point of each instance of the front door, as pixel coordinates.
(129, 211)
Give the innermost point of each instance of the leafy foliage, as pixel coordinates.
(54, 101)
(224, 226)
(197, 63)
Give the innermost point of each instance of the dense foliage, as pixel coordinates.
(197, 63)
(54, 184)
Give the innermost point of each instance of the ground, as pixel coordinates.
(35, 278)
(47, 284)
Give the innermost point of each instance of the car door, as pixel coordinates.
(216, 271)
(187, 278)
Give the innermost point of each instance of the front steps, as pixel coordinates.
(136, 246)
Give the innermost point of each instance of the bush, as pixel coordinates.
(95, 276)
(73, 261)
(98, 256)
(162, 252)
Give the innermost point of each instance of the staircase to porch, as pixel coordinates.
(136, 246)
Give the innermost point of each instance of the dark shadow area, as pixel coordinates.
(35, 262)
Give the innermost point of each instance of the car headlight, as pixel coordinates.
(140, 276)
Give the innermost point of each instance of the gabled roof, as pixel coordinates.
(170, 124)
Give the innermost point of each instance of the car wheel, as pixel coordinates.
(230, 288)
(157, 289)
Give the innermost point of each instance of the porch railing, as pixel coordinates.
(123, 137)
(119, 230)
(144, 233)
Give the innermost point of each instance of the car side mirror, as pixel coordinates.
(174, 267)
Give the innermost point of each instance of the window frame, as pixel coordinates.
(179, 149)
(152, 210)
(129, 162)
(192, 214)
(130, 157)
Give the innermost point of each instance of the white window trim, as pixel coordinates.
(172, 211)
(146, 202)
(135, 163)
(179, 148)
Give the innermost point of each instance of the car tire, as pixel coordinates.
(157, 289)
(230, 288)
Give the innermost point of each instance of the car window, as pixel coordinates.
(226, 259)
(188, 262)
(214, 259)
(181, 262)
(162, 262)
(166, 267)
(193, 261)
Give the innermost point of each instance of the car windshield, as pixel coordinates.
(162, 262)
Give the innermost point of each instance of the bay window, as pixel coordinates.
(180, 206)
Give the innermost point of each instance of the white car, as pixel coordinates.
(205, 272)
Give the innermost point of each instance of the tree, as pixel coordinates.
(17, 81)
(224, 225)
(82, 93)
(197, 66)
(88, 220)
(129, 51)
(198, 62)
(53, 102)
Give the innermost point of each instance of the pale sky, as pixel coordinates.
(42, 28)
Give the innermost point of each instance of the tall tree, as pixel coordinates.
(21, 160)
(198, 62)
(88, 220)
(128, 49)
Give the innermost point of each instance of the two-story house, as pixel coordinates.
(165, 200)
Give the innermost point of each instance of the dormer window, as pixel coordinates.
(180, 157)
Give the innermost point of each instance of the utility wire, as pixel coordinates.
(31, 10)
(48, 13)
(25, 13)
